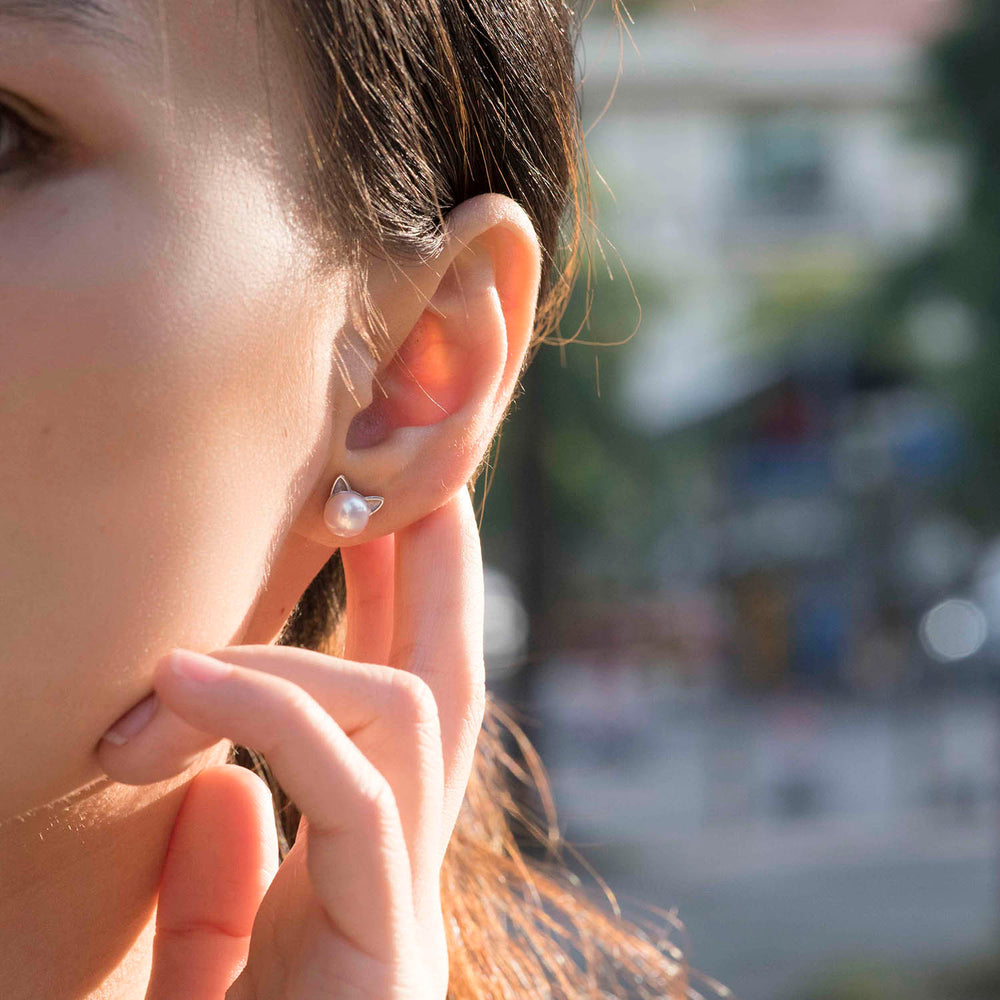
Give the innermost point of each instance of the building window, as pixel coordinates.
(784, 166)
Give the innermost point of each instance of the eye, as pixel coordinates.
(20, 144)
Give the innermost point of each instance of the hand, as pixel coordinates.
(374, 749)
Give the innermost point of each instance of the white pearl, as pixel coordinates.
(346, 513)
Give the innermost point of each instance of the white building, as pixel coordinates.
(757, 151)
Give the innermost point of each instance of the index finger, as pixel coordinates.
(438, 610)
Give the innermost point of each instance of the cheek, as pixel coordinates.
(156, 400)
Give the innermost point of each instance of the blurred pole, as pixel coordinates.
(531, 521)
(531, 525)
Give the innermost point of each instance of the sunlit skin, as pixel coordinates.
(172, 420)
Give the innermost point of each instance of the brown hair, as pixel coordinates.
(410, 108)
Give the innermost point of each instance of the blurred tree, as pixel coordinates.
(937, 312)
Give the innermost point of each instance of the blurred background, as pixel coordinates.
(744, 565)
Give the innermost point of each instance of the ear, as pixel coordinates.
(457, 330)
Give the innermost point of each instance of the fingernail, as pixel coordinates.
(133, 720)
(198, 667)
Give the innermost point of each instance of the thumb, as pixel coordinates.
(222, 856)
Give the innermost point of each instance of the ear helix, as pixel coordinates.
(346, 512)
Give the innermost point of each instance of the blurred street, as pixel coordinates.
(790, 834)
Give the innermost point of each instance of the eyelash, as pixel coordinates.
(30, 145)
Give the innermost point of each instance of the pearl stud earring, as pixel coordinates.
(346, 513)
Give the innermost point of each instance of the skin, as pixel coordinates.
(172, 419)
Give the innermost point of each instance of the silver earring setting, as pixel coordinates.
(346, 513)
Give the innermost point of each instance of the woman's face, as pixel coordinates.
(164, 364)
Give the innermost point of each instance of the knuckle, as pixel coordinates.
(414, 699)
(477, 704)
(377, 797)
(475, 713)
(472, 694)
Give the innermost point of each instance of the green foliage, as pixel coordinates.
(964, 107)
(977, 979)
(806, 286)
(857, 981)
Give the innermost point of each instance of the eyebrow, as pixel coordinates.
(92, 19)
